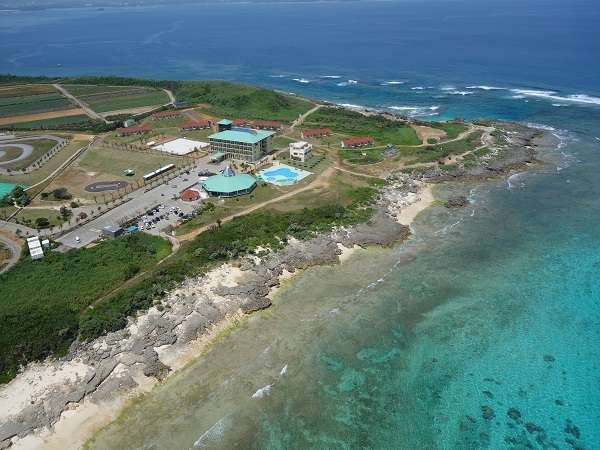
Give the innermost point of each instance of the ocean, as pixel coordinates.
(481, 331)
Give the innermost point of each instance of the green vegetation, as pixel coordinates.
(385, 131)
(112, 98)
(361, 156)
(17, 196)
(43, 300)
(452, 129)
(233, 239)
(434, 153)
(40, 148)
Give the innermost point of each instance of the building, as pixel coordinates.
(162, 115)
(35, 247)
(267, 125)
(317, 132)
(300, 151)
(131, 131)
(112, 231)
(242, 143)
(129, 123)
(229, 184)
(217, 157)
(190, 126)
(224, 125)
(241, 123)
(181, 146)
(360, 141)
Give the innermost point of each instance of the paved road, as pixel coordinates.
(89, 111)
(15, 251)
(139, 202)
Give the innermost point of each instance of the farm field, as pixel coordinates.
(49, 123)
(28, 99)
(103, 99)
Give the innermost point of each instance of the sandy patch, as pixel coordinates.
(423, 199)
(426, 133)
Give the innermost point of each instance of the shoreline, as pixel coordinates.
(63, 403)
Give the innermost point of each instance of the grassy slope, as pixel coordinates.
(112, 161)
(42, 300)
(352, 123)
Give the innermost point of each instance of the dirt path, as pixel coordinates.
(41, 116)
(172, 98)
(303, 117)
(321, 181)
(89, 111)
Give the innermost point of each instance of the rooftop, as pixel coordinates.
(244, 135)
(225, 122)
(228, 184)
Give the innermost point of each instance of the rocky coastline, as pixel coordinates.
(85, 390)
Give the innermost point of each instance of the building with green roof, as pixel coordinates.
(242, 143)
(229, 184)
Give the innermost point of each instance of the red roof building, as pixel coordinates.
(166, 115)
(360, 141)
(241, 122)
(317, 132)
(267, 125)
(200, 125)
(129, 131)
(189, 195)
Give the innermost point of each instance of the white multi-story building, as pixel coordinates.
(300, 151)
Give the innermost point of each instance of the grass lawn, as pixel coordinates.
(43, 300)
(111, 98)
(361, 156)
(452, 129)
(28, 216)
(113, 161)
(432, 153)
(353, 123)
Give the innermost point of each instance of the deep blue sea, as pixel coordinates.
(482, 331)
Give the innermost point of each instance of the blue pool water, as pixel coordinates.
(283, 175)
(6, 188)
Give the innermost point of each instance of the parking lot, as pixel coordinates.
(142, 201)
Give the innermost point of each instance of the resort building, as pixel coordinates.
(181, 146)
(267, 125)
(241, 123)
(360, 141)
(35, 247)
(317, 132)
(229, 184)
(242, 143)
(190, 126)
(300, 151)
(162, 115)
(131, 131)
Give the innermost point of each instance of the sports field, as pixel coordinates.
(113, 98)
(21, 154)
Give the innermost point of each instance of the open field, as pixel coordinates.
(104, 99)
(47, 297)
(352, 123)
(28, 216)
(30, 99)
(107, 164)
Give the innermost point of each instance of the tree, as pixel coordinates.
(65, 213)
(42, 222)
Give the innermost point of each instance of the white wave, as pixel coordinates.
(333, 77)
(513, 181)
(301, 80)
(417, 88)
(347, 83)
(352, 82)
(213, 434)
(486, 88)
(276, 76)
(284, 371)
(597, 138)
(263, 391)
(455, 92)
(553, 95)
(350, 105)
(540, 126)
(416, 111)
(392, 83)
(558, 104)
(518, 96)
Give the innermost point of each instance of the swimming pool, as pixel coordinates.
(283, 175)
(6, 188)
